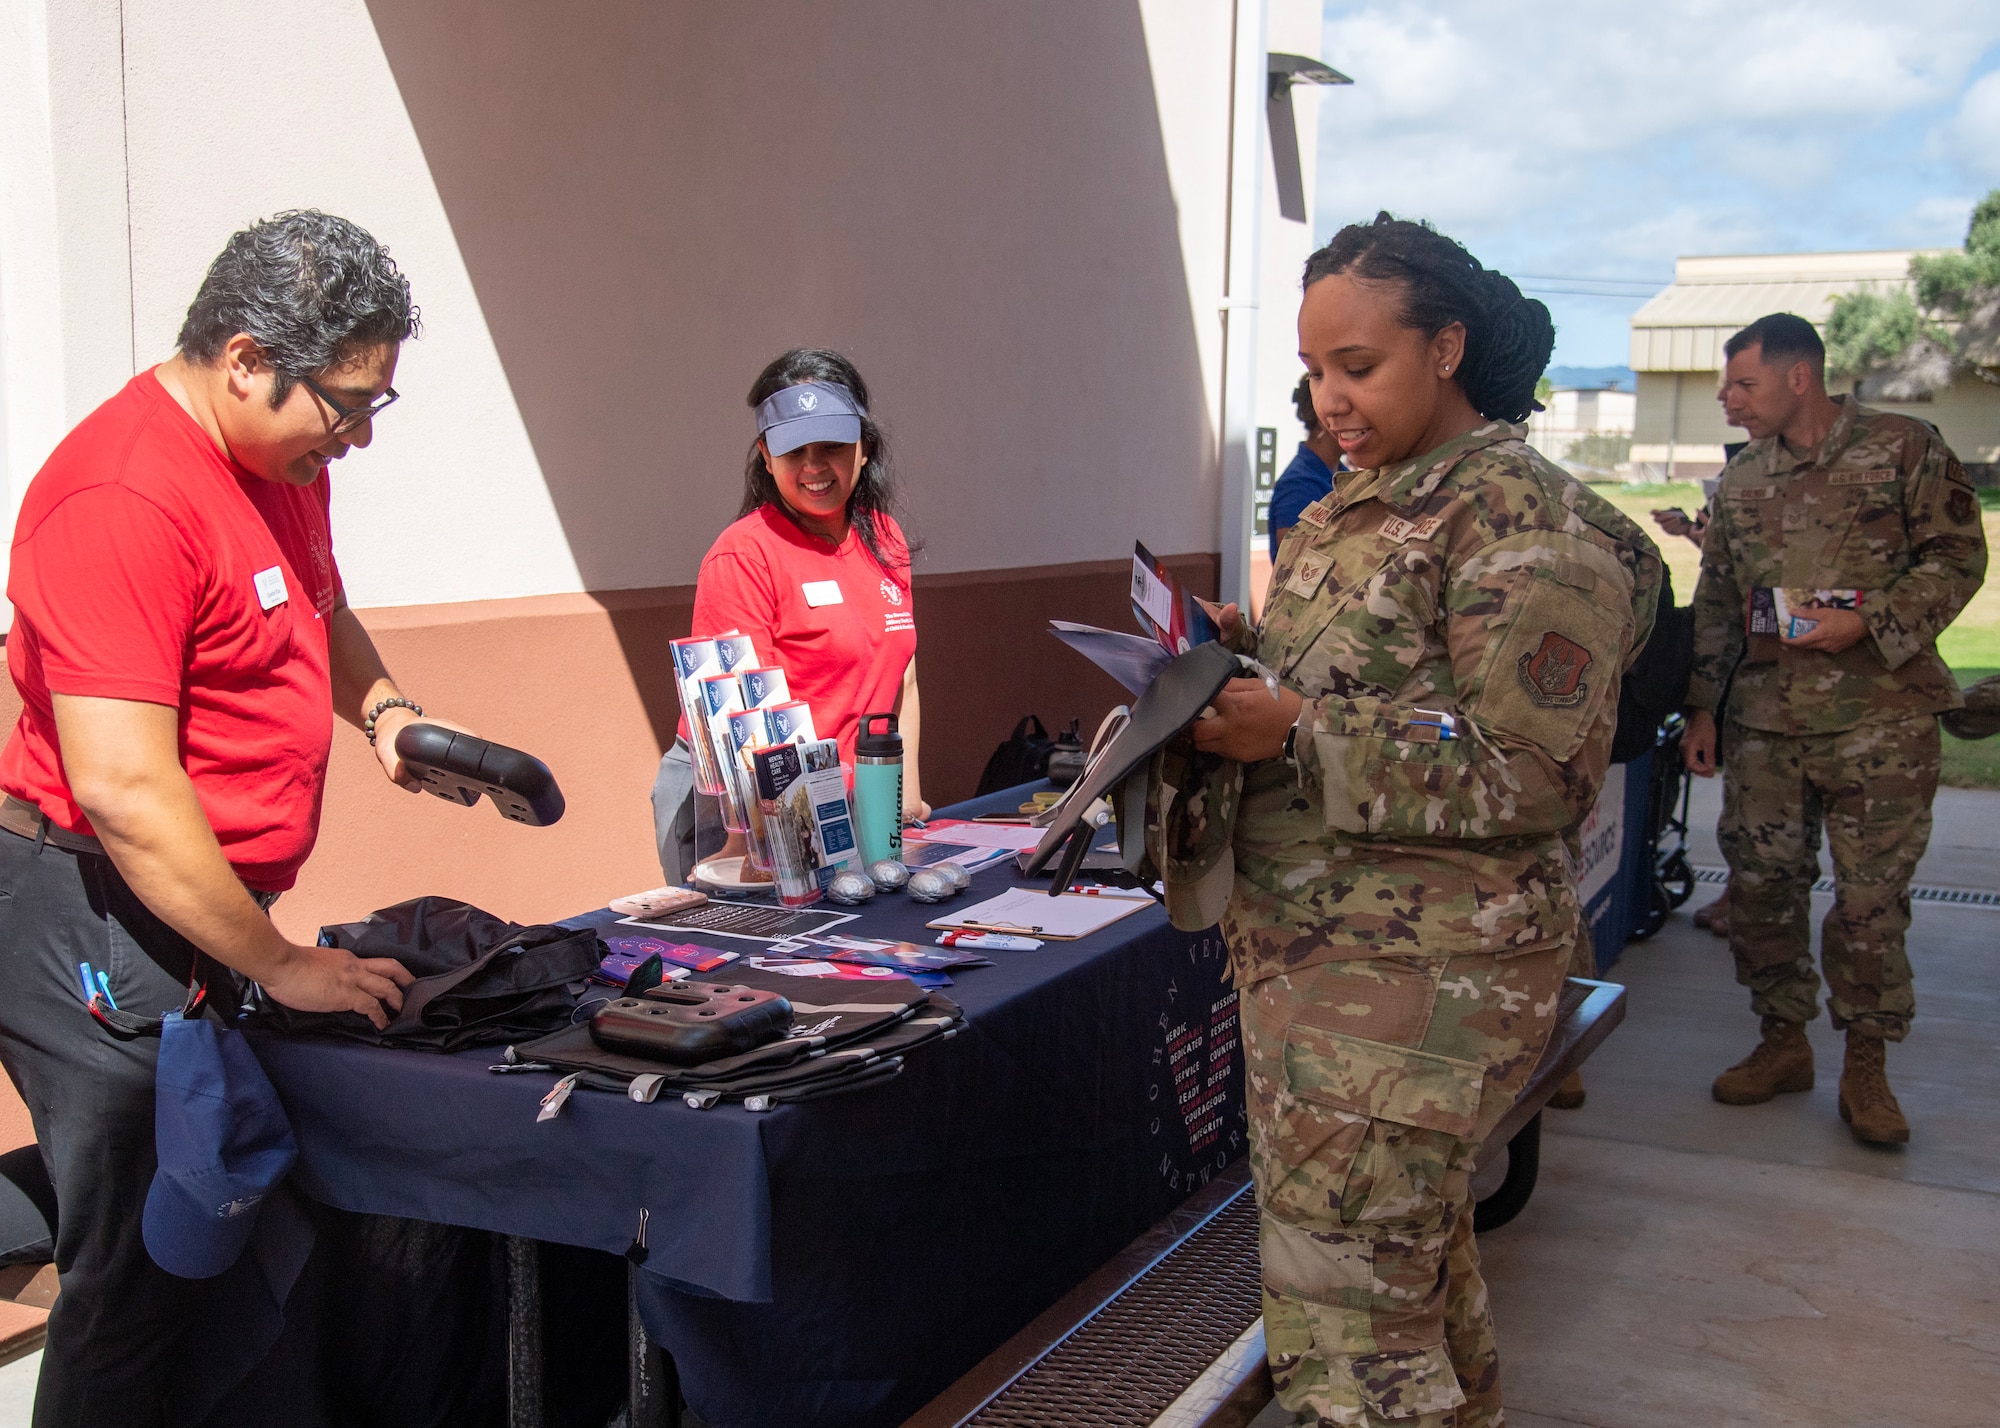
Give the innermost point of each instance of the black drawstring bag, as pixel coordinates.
(481, 980)
(1023, 758)
(1657, 683)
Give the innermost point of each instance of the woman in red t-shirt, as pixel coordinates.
(815, 569)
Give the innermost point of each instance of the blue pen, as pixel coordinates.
(105, 983)
(89, 986)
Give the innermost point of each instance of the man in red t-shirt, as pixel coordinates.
(181, 644)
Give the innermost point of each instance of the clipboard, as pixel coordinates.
(1030, 912)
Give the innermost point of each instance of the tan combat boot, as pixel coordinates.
(1782, 1062)
(1866, 1102)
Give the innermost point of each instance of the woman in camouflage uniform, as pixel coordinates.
(1384, 839)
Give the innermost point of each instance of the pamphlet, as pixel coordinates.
(675, 954)
(1133, 660)
(1011, 836)
(753, 921)
(803, 797)
(928, 852)
(1775, 610)
(1165, 607)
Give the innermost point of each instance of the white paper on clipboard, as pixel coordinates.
(1033, 913)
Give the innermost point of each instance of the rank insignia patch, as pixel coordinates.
(1960, 505)
(1553, 673)
(1306, 576)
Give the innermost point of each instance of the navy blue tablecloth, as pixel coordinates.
(836, 1262)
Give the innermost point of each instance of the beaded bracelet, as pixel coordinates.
(397, 702)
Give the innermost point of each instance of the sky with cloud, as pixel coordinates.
(1582, 147)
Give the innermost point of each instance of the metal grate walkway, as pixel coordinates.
(1120, 1370)
(1953, 897)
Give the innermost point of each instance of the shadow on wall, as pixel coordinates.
(653, 199)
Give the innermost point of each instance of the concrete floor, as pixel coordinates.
(1688, 1262)
(1684, 1262)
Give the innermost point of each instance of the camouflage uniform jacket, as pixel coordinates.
(1882, 507)
(1477, 581)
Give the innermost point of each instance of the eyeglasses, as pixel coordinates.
(347, 418)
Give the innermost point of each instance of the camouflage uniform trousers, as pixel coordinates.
(1372, 1083)
(1871, 787)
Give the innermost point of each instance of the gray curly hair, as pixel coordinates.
(309, 287)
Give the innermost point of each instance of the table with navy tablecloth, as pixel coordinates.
(838, 1261)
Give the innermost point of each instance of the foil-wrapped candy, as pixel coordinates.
(888, 875)
(849, 888)
(955, 874)
(929, 885)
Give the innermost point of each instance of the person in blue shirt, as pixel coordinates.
(1310, 475)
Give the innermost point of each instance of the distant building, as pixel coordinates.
(1678, 432)
(1588, 429)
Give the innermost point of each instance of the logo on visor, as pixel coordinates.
(808, 401)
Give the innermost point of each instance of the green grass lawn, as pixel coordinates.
(1971, 646)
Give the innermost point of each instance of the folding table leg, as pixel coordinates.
(653, 1397)
(524, 1333)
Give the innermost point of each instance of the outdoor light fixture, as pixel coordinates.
(1286, 71)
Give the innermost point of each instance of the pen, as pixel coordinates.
(89, 986)
(1100, 890)
(1002, 926)
(105, 983)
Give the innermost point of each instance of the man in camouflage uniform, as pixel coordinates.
(1833, 726)
(1399, 907)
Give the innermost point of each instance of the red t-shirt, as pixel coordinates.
(143, 570)
(842, 625)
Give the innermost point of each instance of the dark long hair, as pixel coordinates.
(1508, 337)
(874, 491)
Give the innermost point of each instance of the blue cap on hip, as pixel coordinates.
(812, 411)
(223, 1142)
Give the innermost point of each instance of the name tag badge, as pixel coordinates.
(1307, 575)
(1317, 514)
(1398, 529)
(1754, 493)
(270, 586)
(821, 592)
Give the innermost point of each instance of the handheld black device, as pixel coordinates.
(462, 768)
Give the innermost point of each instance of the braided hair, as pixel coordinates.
(1508, 337)
(874, 494)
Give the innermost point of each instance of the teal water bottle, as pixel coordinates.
(878, 789)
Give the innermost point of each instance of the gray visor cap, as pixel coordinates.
(812, 411)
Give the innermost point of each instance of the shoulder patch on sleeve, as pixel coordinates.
(1961, 505)
(1553, 672)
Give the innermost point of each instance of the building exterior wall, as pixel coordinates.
(1692, 440)
(1014, 217)
(1966, 414)
(1573, 413)
(1678, 337)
